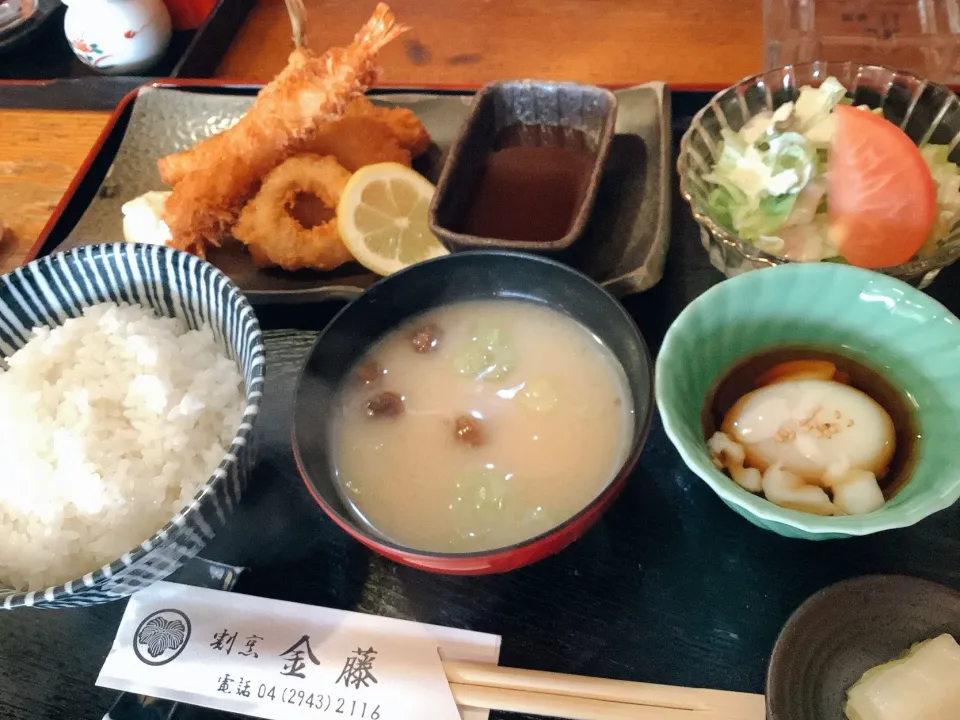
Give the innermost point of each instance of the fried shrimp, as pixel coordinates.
(355, 141)
(365, 135)
(274, 237)
(310, 90)
(174, 168)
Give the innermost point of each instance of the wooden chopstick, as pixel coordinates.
(560, 706)
(613, 696)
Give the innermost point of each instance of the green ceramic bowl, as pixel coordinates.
(899, 331)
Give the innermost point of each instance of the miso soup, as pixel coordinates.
(480, 425)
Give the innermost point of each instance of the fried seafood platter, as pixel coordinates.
(311, 148)
(322, 181)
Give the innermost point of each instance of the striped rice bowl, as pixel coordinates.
(127, 407)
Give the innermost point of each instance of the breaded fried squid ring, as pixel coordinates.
(274, 236)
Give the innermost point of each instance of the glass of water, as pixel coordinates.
(918, 35)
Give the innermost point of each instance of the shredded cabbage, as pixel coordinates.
(769, 181)
(815, 104)
(758, 183)
(946, 175)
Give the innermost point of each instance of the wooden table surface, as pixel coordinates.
(453, 42)
(470, 42)
(39, 155)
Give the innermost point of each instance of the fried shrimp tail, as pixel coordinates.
(298, 22)
(274, 237)
(310, 90)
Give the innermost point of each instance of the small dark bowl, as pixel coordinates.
(432, 284)
(585, 108)
(846, 629)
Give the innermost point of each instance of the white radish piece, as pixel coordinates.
(790, 491)
(925, 685)
(858, 493)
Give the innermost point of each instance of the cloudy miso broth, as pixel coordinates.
(480, 425)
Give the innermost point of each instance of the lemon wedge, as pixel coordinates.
(382, 218)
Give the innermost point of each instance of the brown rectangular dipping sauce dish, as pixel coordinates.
(524, 171)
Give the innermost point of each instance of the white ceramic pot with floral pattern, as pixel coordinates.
(117, 37)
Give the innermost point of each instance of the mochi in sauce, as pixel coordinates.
(805, 436)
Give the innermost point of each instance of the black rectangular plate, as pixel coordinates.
(625, 245)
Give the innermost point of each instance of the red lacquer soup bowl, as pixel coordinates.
(429, 285)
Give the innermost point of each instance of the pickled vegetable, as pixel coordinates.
(924, 685)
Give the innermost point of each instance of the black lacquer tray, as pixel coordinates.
(669, 587)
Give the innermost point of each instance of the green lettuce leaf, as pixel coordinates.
(946, 176)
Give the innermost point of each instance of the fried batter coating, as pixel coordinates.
(403, 122)
(357, 141)
(367, 134)
(310, 90)
(274, 237)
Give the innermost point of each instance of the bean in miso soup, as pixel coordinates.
(514, 418)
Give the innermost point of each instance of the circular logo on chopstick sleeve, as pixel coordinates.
(161, 637)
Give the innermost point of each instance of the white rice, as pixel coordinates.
(109, 424)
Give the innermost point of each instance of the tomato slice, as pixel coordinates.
(881, 196)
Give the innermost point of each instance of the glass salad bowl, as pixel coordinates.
(928, 113)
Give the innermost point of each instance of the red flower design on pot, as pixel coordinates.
(118, 36)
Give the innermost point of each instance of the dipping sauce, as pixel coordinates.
(480, 425)
(532, 185)
(812, 430)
